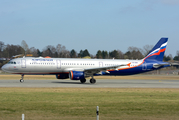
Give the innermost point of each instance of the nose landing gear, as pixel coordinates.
(22, 77)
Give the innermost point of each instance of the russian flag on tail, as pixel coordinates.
(157, 53)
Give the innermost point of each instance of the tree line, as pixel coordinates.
(60, 51)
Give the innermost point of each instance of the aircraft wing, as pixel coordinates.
(174, 64)
(98, 69)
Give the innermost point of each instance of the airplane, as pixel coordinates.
(80, 69)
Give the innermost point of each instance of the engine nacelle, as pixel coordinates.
(62, 76)
(76, 75)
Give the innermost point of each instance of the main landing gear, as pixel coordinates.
(92, 80)
(22, 78)
(83, 80)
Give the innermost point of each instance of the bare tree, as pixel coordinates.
(58, 49)
(134, 53)
(49, 51)
(24, 46)
(11, 50)
(171, 57)
(66, 54)
(1, 48)
(62, 52)
(131, 48)
(33, 51)
(121, 55)
(177, 56)
(177, 53)
(147, 49)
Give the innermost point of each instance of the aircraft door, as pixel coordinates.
(58, 64)
(23, 63)
(144, 66)
(100, 64)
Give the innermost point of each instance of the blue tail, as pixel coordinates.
(157, 53)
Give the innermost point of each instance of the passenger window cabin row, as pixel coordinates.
(84, 64)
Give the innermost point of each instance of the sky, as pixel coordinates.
(90, 24)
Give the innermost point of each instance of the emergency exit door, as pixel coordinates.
(23, 63)
(144, 66)
(100, 64)
(58, 64)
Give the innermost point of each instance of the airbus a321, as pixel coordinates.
(80, 69)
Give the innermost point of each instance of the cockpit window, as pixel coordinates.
(11, 62)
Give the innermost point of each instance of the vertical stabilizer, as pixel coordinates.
(157, 53)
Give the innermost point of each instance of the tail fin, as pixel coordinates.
(158, 50)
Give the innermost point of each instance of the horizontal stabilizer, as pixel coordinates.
(160, 65)
(174, 64)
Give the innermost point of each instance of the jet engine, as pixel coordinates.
(76, 75)
(62, 76)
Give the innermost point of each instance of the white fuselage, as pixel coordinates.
(31, 65)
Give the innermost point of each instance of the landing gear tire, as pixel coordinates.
(21, 80)
(22, 77)
(83, 80)
(92, 81)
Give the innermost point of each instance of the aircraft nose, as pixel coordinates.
(4, 67)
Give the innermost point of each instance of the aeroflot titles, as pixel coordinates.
(42, 59)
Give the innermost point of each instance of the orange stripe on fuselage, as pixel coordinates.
(129, 64)
(128, 67)
(158, 53)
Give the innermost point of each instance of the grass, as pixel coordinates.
(80, 103)
(52, 77)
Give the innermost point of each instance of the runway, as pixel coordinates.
(104, 83)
